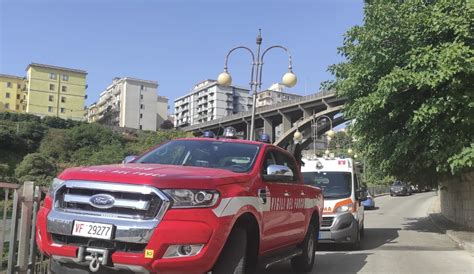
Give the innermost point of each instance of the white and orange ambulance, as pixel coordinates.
(343, 214)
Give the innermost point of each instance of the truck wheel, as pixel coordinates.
(233, 256)
(304, 262)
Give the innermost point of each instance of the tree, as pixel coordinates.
(167, 124)
(408, 78)
(37, 168)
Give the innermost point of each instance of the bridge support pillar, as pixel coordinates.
(285, 121)
(268, 128)
(306, 112)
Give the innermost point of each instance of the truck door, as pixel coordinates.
(359, 207)
(276, 219)
(295, 201)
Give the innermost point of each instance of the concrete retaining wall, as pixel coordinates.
(457, 199)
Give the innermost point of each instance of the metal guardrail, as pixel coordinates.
(264, 109)
(17, 229)
(378, 190)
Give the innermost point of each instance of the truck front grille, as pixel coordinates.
(129, 201)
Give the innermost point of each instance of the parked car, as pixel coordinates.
(193, 205)
(400, 188)
(370, 202)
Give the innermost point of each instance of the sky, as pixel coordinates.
(177, 43)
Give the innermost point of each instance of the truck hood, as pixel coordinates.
(160, 176)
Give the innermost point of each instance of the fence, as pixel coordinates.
(378, 190)
(17, 229)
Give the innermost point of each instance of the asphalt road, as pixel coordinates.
(399, 238)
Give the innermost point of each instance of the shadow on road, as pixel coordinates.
(423, 224)
(333, 262)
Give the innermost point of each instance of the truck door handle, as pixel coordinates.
(263, 193)
(286, 194)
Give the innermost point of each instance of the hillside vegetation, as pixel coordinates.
(37, 149)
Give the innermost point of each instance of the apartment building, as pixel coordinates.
(132, 103)
(274, 94)
(208, 101)
(55, 91)
(12, 93)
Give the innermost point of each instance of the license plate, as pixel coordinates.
(92, 230)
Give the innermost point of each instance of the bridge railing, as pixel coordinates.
(260, 110)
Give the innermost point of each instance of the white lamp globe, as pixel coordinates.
(224, 79)
(297, 137)
(289, 79)
(331, 133)
(349, 151)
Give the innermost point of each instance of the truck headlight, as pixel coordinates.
(189, 198)
(344, 208)
(55, 185)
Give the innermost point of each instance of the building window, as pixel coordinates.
(50, 109)
(63, 99)
(142, 106)
(63, 88)
(142, 87)
(17, 107)
(141, 96)
(9, 84)
(18, 86)
(24, 107)
(18, 96)
(7, 95)
(7, 106)
(51, 87)
(63, 110)
(65, 77)
(52, 76)
(51, 98)
(141, 115)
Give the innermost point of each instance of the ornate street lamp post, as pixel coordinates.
(289, 79)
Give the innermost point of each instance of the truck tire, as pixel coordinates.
(304, 262)
(233, 257)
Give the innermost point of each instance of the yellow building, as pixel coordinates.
(12, 93)
(55, 91)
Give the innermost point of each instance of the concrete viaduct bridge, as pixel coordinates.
(299, 114)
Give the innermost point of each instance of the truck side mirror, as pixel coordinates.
(361, 194)
(278, 173)
(129, 159)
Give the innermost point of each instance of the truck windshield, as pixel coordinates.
(335, 185)
(237, 157)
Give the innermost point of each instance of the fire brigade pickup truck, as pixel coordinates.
(193, 205)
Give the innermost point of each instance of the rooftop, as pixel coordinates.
(11, 76)
(55, 67)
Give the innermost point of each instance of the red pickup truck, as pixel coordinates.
(195, 205)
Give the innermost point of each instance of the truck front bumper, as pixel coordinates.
(174, 229)
(344, 229)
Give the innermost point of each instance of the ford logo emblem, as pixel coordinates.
(102, 201)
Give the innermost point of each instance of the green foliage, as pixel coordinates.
(147, 140)
(408, 77)
(58, 144)
(37, 168)
(55, 145)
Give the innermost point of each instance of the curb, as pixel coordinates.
(465, 244)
